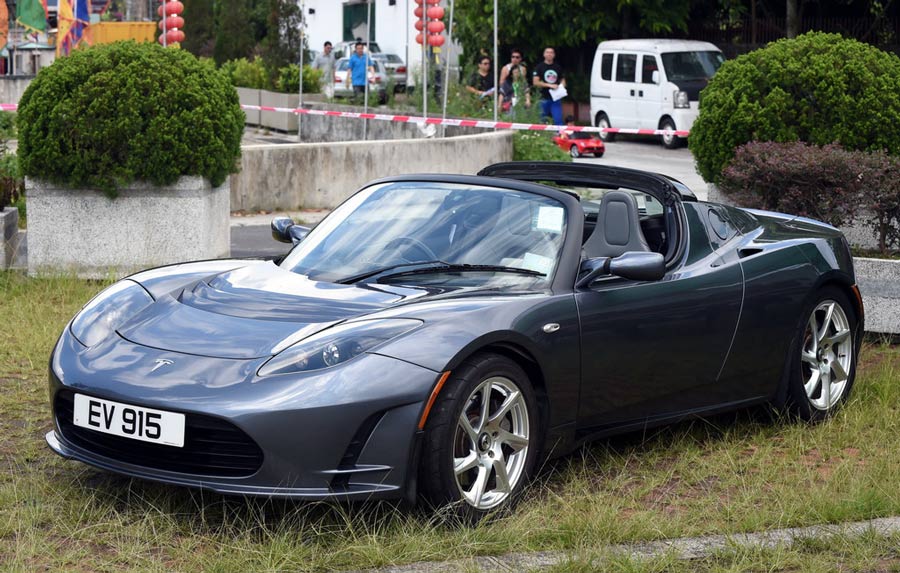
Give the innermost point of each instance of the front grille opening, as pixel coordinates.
(212, 447)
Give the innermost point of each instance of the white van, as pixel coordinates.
(650, 84)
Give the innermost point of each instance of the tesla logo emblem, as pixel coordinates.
(160, 362)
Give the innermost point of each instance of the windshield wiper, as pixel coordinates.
(466, 268)
(436, 267)
(368, 274)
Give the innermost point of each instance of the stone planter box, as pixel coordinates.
(279, 120)
(249, 96)
(85, 232)
(879, 283)
(9, 234)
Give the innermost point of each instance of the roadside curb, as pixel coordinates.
(682, 548)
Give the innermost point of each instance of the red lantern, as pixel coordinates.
(171, 22)
(172, 8)
(419, 2)
(435, 27)
(418, 12)
(435, 40)
(418, 25)
(433, 2)
(419, 38)
(435, 12)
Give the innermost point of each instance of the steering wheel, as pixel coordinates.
(413, 242)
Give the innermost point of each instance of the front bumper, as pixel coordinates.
(347, 432)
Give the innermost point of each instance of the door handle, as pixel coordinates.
(641, 93)
(632, 92)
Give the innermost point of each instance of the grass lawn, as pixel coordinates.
(732, 473)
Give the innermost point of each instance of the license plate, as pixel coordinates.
(135, 422)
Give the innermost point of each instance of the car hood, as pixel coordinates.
(254, 311)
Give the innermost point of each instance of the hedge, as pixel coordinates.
(818, 88)
(108, 115)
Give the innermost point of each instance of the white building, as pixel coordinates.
(344, 20)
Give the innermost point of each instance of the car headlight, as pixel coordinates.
(108, 310)
(336, 345)
(681, 100)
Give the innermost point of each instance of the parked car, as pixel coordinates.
(443, 334)
(396, 69)
(377, 81)
(578, 143)
(650, 84)
(344, 49)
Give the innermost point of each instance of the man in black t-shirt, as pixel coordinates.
(548, 75)
(482, 81)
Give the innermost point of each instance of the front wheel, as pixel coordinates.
(824, 356)
(481, 438)
(573, 151)
(669, 140)
(603, 123)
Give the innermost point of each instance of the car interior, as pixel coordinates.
(631, 221)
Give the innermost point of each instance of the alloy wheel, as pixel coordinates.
(491, 443)
(827, 355)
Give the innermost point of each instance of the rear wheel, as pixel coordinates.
(573, 151)
(824, 356)
(481, 437)
(670, 141)
(603, 123)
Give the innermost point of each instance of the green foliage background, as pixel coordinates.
(108, 115)
(536, 146)
(818, 88)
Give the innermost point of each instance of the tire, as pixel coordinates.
(824, 355)
(508, 445)
(669, 141)
(603, 121)
(573, 151)
(598, 155)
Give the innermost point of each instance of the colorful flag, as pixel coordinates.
(30, 14)
(4, 24)
(72, 20)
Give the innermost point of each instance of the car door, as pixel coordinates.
(623, 111)
(655, 349)
(649, 101)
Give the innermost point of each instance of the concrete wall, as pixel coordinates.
(12, 88)
(323, 175)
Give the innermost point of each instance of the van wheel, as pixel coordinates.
(670, 141)
(573, 151)
(603, 123)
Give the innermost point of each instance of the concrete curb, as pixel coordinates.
(682, 548)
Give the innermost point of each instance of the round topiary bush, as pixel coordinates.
(105, 116)
(818, 88)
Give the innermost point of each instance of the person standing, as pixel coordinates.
(514, 82)
(481, 83)
(325, 62)
(548, 75)
(358, 71)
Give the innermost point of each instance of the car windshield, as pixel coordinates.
(390, 58)
(686, 66)
(441, 224)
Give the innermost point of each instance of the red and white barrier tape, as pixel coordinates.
(482, 123)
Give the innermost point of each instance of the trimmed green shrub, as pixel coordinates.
(827, 183)
(536, 146)
(246, 73)
(818, 88)
(108, 115)
(289, 79)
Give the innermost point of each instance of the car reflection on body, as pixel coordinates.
(440, 335)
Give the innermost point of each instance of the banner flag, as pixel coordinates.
(30, 14)
(4, 24)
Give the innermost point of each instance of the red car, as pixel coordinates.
(579, 143)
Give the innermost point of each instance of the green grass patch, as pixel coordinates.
(736, 473)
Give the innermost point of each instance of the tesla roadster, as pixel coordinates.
(439, 335)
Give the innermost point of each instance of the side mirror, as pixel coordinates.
(635, 265)
(638, 266)
(654, 77)
(286, 231)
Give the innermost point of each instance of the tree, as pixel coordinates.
(282, 43)
(199, 27)
(234, 36)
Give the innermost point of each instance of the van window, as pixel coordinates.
(648, 66)
(606, 67)
(685, 66)
(625, 67)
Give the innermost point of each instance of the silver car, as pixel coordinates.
(396, 68)
(378, 80)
